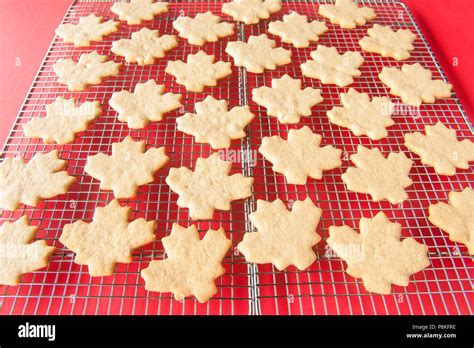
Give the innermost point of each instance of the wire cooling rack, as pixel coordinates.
(445, 287)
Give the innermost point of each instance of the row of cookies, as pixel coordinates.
(284, 238)
(313, 230)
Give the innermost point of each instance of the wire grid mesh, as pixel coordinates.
(65, 287)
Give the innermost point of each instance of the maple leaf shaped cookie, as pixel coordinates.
(283, 237)
(109, 239)
(300, 156)
(413, 84)
(286, 100)
(89, 70)
(441, 149)
(63, 120)
(136, 11)
(127, 168)
(388, 43)
(144, 47)
(205, 27)
(209, 187)
(199, 71)
(251, 11)
(296, 30)
(258, 54)
(18, 253)
(214, 124)
(456, 218)
(363, 116)
(380, 177)
(377, 255)
(347, 14)
(147, 103)
(192, 264)
(28, 183)
(331, 67)
(90, 28)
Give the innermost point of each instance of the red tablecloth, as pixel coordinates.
(28, 28)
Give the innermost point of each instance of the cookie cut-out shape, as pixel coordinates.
(213, 123)
(144, 47)
(414, 84)
(204, 27)
(90, 28)
(90, 69)
(109, 239)
(146, 104)
(456, 218)
(441, 149)
(377, 255)
(199, 71)
(331, 67)
(192, 265)
(296, 30)
(63, 121)
(362, 115)
(284, 237)
(136, 11)
(286, 100)
(258, 54)
(347, 14)
(127, 168)
(380, 177)
(300, 156)
(19, 254)
(388, 43)
(29, 183)
(209, 187)
(251, 11)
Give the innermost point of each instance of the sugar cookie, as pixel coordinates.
(380, 177)
(28, 183)
(214, 124)
(136, 11)
(414, 84)
(251, 11)
(192, 265)
(146, 104)
(63, 120)
(286, 100)
(209, 187)
(109, 239)
(296, 30)
(199, 71)
(331, 67)
(362, 115)
(377, 255)
(347, 14)
(456, 218)
(144, 47)
(440, 149)
(300, 156)
(89, 70)
(19, 254)
(90, 28)
(388, 43)
(283, 237)
(127, 168)
(204, 27)
(258, 54)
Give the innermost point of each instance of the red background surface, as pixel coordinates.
(27, 28)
